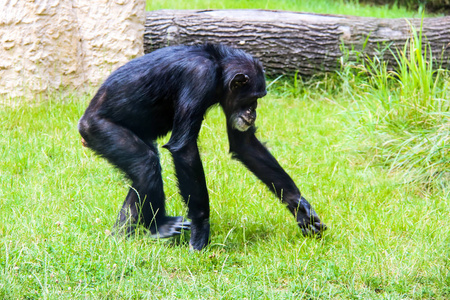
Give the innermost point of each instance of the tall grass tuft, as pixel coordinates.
(408, 111)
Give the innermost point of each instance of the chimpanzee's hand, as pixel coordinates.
(308, 220)
(199, 234)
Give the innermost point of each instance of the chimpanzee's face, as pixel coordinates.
(245, 89)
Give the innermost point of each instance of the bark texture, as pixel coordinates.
(289, 41)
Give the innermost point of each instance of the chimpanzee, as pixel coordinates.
(171, 89)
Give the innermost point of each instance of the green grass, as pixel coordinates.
(317, 6)
(386, 239)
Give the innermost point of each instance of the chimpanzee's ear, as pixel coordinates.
(238, 81)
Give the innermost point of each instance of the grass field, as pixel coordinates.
(344, 7)
(368, 148)
(386, 238)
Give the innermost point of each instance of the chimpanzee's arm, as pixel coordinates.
(189, 171)
(248, 149)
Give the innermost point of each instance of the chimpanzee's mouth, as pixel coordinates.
(242, 124)
(248, 122)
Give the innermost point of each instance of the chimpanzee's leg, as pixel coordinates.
(145, 202)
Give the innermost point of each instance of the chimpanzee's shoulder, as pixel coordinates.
(223, 51)
(216, 51)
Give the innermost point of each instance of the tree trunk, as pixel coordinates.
(287, 42)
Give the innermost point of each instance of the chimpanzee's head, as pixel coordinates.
(244, 84)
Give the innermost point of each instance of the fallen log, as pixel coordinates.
(287, 42)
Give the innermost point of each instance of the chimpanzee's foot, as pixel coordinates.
(172, 226)
(308, 220)
(199, 234)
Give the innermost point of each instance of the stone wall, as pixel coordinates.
(52, 44)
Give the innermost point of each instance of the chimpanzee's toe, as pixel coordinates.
(172, 226)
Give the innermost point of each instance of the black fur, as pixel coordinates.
(170, 90)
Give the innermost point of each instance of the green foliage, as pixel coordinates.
(405, 112)
(410, 4)
(432, 5)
